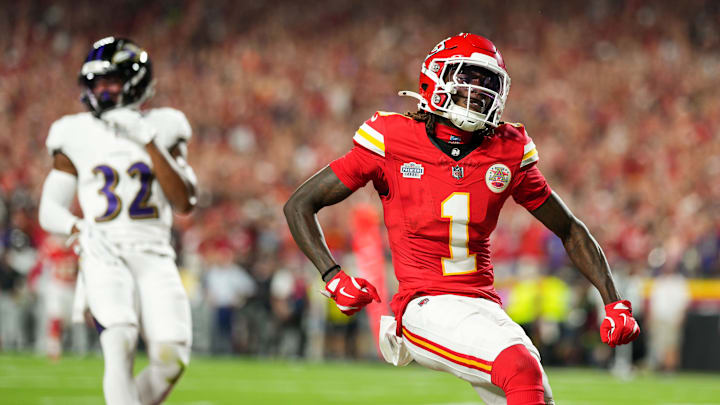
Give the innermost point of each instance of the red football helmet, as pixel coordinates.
(464, 80)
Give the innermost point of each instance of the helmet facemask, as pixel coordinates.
(469, 93)
(103, 101)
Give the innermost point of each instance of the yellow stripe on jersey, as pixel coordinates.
(530, 157)
(371, 139)
(530, 154)
(386, 113)
(528, 147)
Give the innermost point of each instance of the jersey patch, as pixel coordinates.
(498, 177)
(412, 170)
(370, 139)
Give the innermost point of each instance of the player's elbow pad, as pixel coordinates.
(57, 196)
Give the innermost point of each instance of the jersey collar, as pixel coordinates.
(452, 135)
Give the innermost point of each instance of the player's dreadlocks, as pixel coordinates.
(430, 121)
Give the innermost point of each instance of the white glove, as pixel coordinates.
(130, 124)
(92, 242)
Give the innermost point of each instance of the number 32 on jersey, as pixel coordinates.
(139, 208)
(456, 207)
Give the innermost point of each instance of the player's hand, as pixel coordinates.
(619, 327)
(92, 242)
(130, 124)
(349, 293)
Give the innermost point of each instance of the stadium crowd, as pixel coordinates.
(619, 96)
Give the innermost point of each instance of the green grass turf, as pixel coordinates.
(34, 380)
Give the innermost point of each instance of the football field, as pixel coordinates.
(34, 380)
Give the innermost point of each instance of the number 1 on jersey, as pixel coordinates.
(457, 208)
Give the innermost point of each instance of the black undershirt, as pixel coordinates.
(464, 148)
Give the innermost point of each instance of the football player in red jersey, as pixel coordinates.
(443, 174)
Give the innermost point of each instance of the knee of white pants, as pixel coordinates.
(119, 341)
(170, 357)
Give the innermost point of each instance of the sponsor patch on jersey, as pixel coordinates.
(498, 177)
(423, 302)
(412, 170)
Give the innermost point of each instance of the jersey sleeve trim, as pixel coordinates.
(530, 155)
(370, 139)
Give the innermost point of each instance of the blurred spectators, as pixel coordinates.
(619, 96)
(11, 329)
(669, 300)
(228, 287)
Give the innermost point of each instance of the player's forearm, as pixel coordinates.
(179, 190)
(581, 247)
(321, 190)
(588, 257)
(306, 231)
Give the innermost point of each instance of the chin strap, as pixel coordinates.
(423, 105)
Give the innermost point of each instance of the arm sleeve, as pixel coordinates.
(531, 189)
(358, 167)
(57, 197)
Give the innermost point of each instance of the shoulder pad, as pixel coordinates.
(390, 113)
(511, 132)
(62, 130)
(371, 135)
(516, 132)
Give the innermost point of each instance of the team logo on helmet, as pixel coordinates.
(498, 177)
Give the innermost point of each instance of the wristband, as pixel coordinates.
(328, 271)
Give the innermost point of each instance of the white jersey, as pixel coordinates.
(116, 185)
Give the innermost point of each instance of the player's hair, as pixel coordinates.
(423, 116)
(430, 121)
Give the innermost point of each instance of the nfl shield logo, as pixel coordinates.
(457, 172)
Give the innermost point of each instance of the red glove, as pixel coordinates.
(349, 293)
(619, 327)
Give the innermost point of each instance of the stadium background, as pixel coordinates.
(620, 97)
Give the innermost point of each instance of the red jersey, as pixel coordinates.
(440, 212)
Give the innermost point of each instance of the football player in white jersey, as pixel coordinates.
(129, 170)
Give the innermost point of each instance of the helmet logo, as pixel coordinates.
(439, 47)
